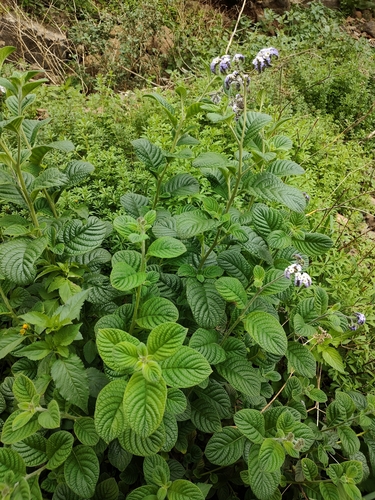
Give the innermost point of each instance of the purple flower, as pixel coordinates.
(353, 327)
(293, 268)
(214, 64)
(224, 63)
(307, 197)
(238, 58)
(263, 58)
(302, 279)
(361, 318)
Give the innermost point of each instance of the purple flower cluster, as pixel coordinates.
(300, 278)
(263, 58)
(224, 63)
(361, 320)
(236, 80)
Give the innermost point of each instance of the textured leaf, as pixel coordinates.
(59, 447)
(255, 245)
(329, 491)
(282, 168)
(144, 404)
(125, 356)
(18, 259)
(274, 282)
(143, 492)
(333, 358)
(254, 123)
(207, 343)
(125, 278)
(267, 186)
(204, 416)
(151, 155)
(279, 239)
(266, 219)
(171, 432)
(189, 224)
(50, 419)
(70, 378)
(301, 360)
(166, 247)
(309, 469)
(84, 429)
(51, 177)
(165, 339)
(184, 490)
(232, 290)
(10, 436)
(176, 401)
(23, 389)
(263, 484)
(225, 447)
(235, 265)
(77, 171)
(185, 368)
(217, 396)
(267, 332)
(130, 257)
(133, 203)
(9, 341)
(271, 455)
(79, 238)
(32, 450)
(156, 311)
(109, 411)
(241, 375)
(107, 490)
(210, 159)
(10, 460)
(206, 304)
(313, 244)
(140, 446)
(81, 470)
(181, 185)
(251, 424)
(155, 469)
(349, 440)
(117, 456)
(107, 339)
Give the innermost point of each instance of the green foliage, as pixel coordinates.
(208, 367)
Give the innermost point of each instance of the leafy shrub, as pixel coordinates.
(196, 368)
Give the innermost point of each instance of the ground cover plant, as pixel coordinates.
(194, 362)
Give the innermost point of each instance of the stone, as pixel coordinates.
(369, 28)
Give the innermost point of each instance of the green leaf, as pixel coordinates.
(109, 411)
(81, 470)
(266, 219)
(141, 446)
(10, 436)
(36, 350)
(349, 440)
(317, 395)
(313, 244)
(49, 178)
(107, 490)
(32, 450)
(274, 282)
(18, 259)
(225, 447)
(210, 159)
(329, 491)
(4, 53)
(282, 168)
(185, 368)
(125, 278)
(166, 106)
(133, 203)
(176, 401)
(144, 404)
(10, 460)
(207, 343)
(184, 490)
(217, 396)
(271, 455)
(79, 238)
(232, 290)
(263, 484)
(301, 360)
(70, 378)
(333, 358)
(254, 123)
(84, 428)
(235, 265)
(206, 304)
(279, 239)
(241, 375)
(143, 492)
(77, 171)
(23, 389)
(193, 223)
(251, 424)
(156, 311)
(165, 339)
(267, 332)
(156, 470)
(9, 341)
(181, 185)
(309, 469)
(166, 247)
(152, 156)
(107, 339)
(204, 416)
(59, 447)
(50, 419)
(125, 356)
(117, 456)
(21, 490)
(267, 186)
(255, 245)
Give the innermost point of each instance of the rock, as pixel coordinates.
(35, 43)
(369, 28)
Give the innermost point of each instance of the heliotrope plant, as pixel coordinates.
(206, 371)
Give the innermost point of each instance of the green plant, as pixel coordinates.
(207, 372)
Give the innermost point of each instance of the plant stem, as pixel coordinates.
(7, 303)
(277, 394)
(35, 472)
(50, 203)
(139, 289)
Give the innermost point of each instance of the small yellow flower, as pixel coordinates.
(22, 331)
(25, 326)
